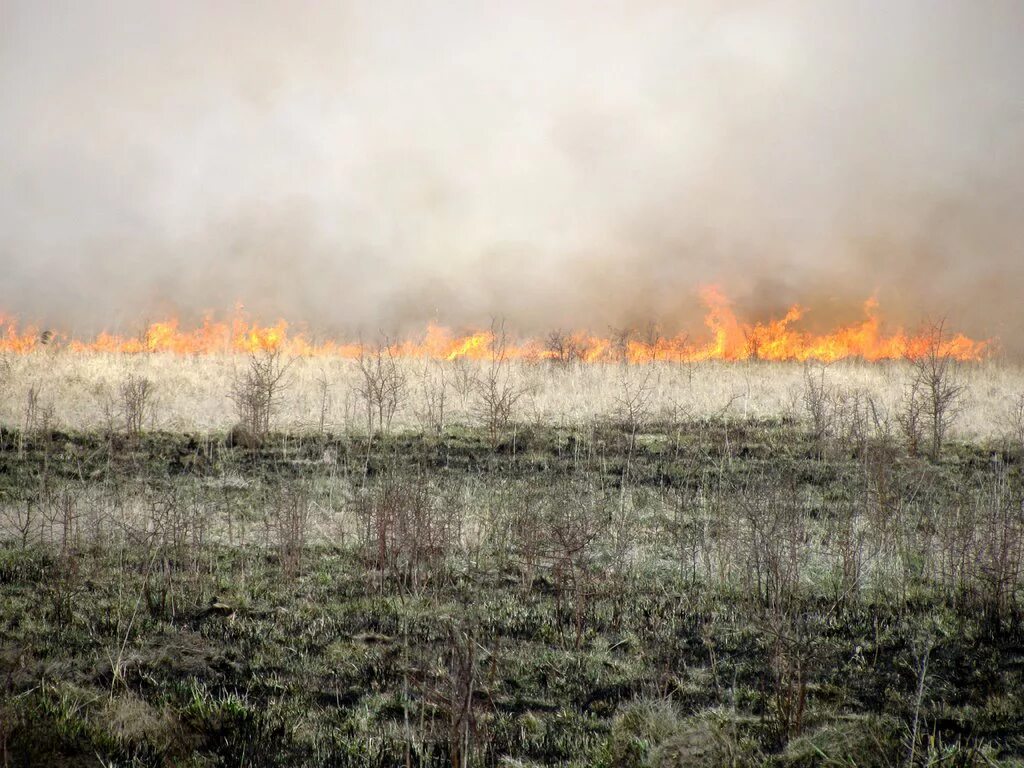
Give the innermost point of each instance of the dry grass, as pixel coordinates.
(81, 391)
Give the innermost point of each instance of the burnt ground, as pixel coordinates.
(702, 593)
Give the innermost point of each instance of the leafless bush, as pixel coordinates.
(791, 657)
(257, 391)
(497, 391)
(1016, 420)
(433, 385)
(922, 650)
(633, 406)
(462, 681)
(576, 521)
(172, 540)
(381, 386)
(463, 378)
(37, 417)
(288, 519)
(687, 525)
(847, 540)
(63, 518)
(776, 538)
(911, 415)
(562, 348)
(324, 392)
(953, 549)
(527, 542)
(633, 398)
(1000, 556)
(934, 380)
(651, 337)
(63, 589)
(858, 418)
(407, 533)
(620, 341)
(24, 517)
(136, 402)
(819, 403)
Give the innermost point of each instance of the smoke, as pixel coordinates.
(575, 164)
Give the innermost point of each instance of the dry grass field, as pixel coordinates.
(81, 391)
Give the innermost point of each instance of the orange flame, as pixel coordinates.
(730, 339)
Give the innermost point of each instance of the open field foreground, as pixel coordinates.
(608, 565)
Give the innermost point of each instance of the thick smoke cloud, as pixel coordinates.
(381, 164)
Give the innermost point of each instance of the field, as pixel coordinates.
(191, 394)
(228, 561)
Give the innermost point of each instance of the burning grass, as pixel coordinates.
(726, 337)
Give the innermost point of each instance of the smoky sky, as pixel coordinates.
(575, 164)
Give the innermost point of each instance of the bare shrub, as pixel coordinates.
(324, 393)
(459, 696)
(561, 348)
(497, 390)
(921, 651)
(433, 386)
(564, 349)
(171, 540)
(776, 538)
(63, 589)
(381, 386)
(576, 521)
(256, 391)
(632, 407)
(847, 539)
(819, 403)
(24, 517)
(1016, 421)
(288, 520)
(463, 377)
(136, 402)
(63, 518)
(407, 533)
(791, 662)
(911, 416)
(37, 416)
(620, 342)
(857, 418)
(1000, 556)
(936, 394)
(686, 524)
(527, 533)
(651, 337)
(633, 398)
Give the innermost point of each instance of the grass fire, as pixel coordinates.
(619, 385)
(730, 339)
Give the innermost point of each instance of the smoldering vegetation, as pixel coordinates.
(838, 584)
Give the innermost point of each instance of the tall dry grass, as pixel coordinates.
(82, 391)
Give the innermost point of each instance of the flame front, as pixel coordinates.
(731, 339)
